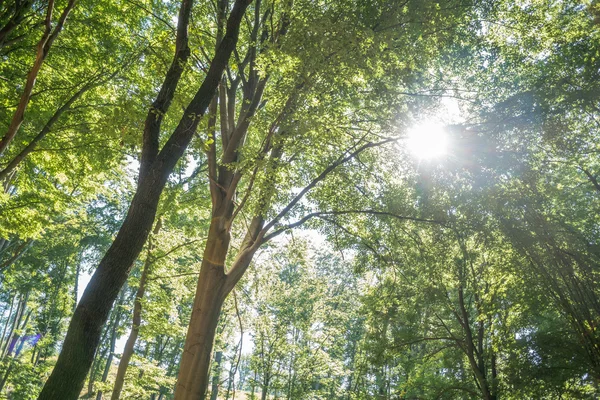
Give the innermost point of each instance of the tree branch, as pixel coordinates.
(322, 176)
(346, 212)
(163, 100)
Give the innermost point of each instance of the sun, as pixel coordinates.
(427, 141)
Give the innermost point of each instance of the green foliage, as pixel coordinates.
(495, 244)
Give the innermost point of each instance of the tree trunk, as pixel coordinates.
(135, 325)
(111, 352)
(213, 287)
(252, 396)
(10, 311)
(471, 350)
(14, 163)
(18, 253)
(93, 309)
(17, 352)
(99, 356)
(265, 389)
(231, 380)
(15, 325)
(94, 367)
(192, 381)
(81, 341)
(214, 391)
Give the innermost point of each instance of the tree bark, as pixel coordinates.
(192, 381)
(91, 313)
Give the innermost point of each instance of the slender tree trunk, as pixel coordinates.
(231, 380)
(4, 243)
(16, 338)
(8, 318)
(129, 348)
(18, 253)
(111, 352)
(252, 396)
(17, 352)
(15, 319)
(265, 388)
(14, 163)
(16, 322)
(93, 369)
(98, 356)
(471, 349)
(159, 350)
(214, 391)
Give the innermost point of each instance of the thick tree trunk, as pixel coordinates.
(193, 377)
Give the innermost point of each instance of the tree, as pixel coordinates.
(155, 167)
(280, 145)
